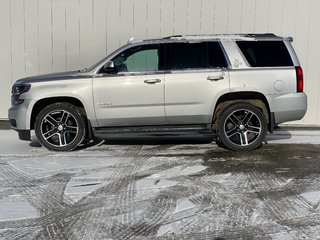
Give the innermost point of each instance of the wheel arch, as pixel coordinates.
(254, 98)
(40, 104)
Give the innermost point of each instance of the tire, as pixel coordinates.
(60, 127)
(242, 127)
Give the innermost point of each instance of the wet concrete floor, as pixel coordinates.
(161, 191)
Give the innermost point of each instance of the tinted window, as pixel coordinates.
(216, 58)
(138, 59)
(195, 56)
(265, 53)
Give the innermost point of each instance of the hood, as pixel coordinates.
(55, 76)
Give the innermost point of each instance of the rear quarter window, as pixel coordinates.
(265, 53)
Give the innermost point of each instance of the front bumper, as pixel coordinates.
(18, 117)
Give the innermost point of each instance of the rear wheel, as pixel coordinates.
(60, 127)
(242, 127)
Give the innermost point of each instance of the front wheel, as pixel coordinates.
(60, 127)
(242, 127)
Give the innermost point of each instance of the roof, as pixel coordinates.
(212, 37)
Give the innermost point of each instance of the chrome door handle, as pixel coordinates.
(152, 81)
(215, 78)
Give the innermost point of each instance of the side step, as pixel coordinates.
(154, 131)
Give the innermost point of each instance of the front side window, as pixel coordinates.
(138, 59)
(195, 56)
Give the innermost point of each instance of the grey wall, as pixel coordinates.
(41, 36)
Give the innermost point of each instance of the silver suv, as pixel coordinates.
(233, 87)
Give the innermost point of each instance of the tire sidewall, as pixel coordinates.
(66, 107)
(221, 125)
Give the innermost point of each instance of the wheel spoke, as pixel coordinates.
(51, 120)
(253, 129)
(244, 138)
(70, 129)
(232, 132)
(64, 117)
(50, 133)
(247, 118)
(233, 118)
(62, 139)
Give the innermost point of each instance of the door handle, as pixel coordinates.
(152, 81)
(215, 78)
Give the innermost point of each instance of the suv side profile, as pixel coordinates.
(233, 87)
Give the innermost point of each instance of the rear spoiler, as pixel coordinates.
(290, 39)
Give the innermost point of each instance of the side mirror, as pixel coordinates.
(109, 67)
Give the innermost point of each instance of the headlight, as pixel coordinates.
(17, 90)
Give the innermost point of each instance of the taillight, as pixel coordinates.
(299, 74)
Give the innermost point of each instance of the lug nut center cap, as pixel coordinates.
(242, 127)
(60, 127)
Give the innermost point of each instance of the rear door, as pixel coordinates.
(197, 76)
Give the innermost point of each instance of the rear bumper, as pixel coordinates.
(289, 107)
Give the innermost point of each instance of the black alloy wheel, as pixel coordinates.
(242, 126)
(60, 127)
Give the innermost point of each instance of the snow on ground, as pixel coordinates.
(161, 191)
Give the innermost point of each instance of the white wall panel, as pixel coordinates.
(45, 36)
(41, 36)
(234, 16)
(289, 18)
(59, 35)
(312, 70)
(5, 57)
(18, 53)
(126, 20)
(140, 19)
(31, 37)
(248, 16)
(113, 21)
(99, 29)
(180, 16)
(276, 16)
(194, 16)
(262, 14)
(72, 35)
(86, 33)
(167, 18)
(154, 19)
(207, 17)
(221, 16)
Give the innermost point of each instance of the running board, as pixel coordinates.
(154, 131)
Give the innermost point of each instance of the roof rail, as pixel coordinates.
(173, 36)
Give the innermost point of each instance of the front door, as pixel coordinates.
(133, 93)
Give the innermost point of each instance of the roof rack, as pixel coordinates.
(173, 36)
(239, 36)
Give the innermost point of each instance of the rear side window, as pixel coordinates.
(265, 53)
(195, 56)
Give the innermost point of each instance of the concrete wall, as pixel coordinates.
(41, 36)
